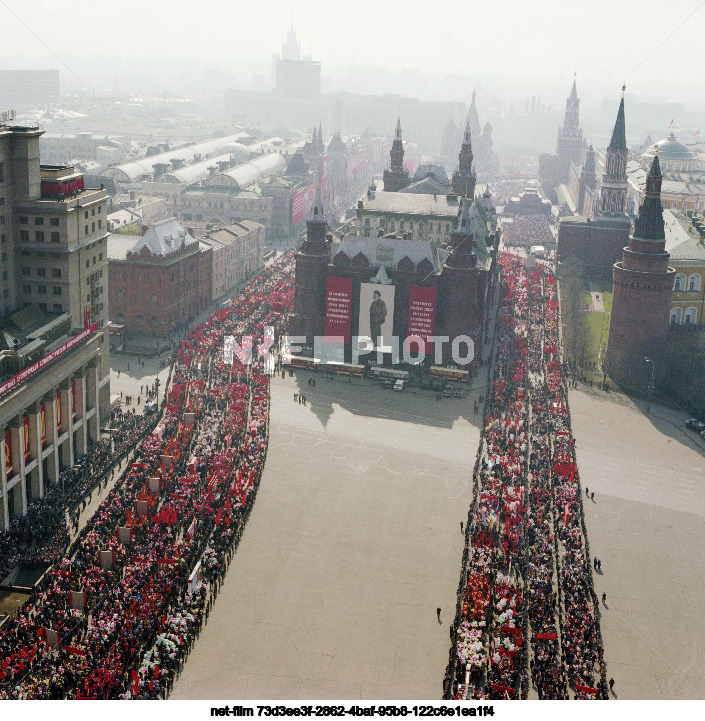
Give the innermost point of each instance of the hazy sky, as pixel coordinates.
(603, 40)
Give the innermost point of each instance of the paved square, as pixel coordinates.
(353, 542)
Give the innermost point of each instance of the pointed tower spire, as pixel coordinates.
(464, 178)
(574, 91)
(473, 119)
(467, 136)
(397, 177)
(619, 138)
(649, 224)
(613, 194)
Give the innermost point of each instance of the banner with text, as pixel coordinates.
(338, 309)
(302, 204)
(422, 313)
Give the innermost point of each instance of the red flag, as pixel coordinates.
(697, 132)
(671, 123)
(217, 517)
(135, 675)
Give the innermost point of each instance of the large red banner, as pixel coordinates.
(25, 438)
(302, 203)
(422, 313)
(8, 454)
(43, 425)
(338, 308)
(42, 362)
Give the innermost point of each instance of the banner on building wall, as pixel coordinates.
(73, 400)
(377, 313)
(43, 425)
(25, 438)
(358, 163)
(59, 427)
(8, 454)
(302, 203)
(422, 313)
(324, 175)
(48, 358)
(338, 309)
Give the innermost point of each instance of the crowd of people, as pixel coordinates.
(526, 230)
(119, 611)
(41, 536)
(527, 611)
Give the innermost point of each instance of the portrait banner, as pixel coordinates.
(377, 313)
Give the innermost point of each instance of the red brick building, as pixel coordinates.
(159, 280)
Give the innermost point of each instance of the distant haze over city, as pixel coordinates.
(427, 50)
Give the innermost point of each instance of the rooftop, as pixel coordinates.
(412, 204)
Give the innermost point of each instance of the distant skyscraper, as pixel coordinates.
(291, 49)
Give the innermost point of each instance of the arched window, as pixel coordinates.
(694, 282)
(676, 316)
(679, 282)
(691, 316)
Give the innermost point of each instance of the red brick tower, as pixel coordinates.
(397, 176)
(642, 285)
(310, 277)
(461, 289)
(464, 178)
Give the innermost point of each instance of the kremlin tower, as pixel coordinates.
(397, 177)
(641, 295)
(464, 178)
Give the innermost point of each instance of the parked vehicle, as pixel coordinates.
(399, 385)
(695, 424)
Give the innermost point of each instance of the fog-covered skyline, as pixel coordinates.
(604, 42)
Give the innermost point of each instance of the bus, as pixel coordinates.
(451, 374)
(348, 369)
(300, 361)
(391, 373)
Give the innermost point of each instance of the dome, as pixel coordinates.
(670, 149)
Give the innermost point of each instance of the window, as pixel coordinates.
(24, 220)
(691, 316)
(42, 289)
(39, 236)
(27, 288)
(694, 282)
(39, 221)
(92, 211)
(100, 223)
(4, 257)
(41, 272)
(679, 282)
(154, 322)
(88, 264)
(56, 272)
(121, 317)
(53, 221)
(55, 237)
(154, 297)
(85, 230)
(24, 235)
(2, 202)
(94, 260)
(139, 320)
(100, 259)
(4, 273)
(24, 253)
(86, 216)
(56, 290)
(58, 308)
(2, 220)
(3, 239)
(26, 271)
(92, 227)
(43, 306)
(99, 208)
(676, 316)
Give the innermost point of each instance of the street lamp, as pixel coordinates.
(650, 389)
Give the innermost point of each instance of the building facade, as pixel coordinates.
(160, 280)
(237, 254)
(54, 354)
